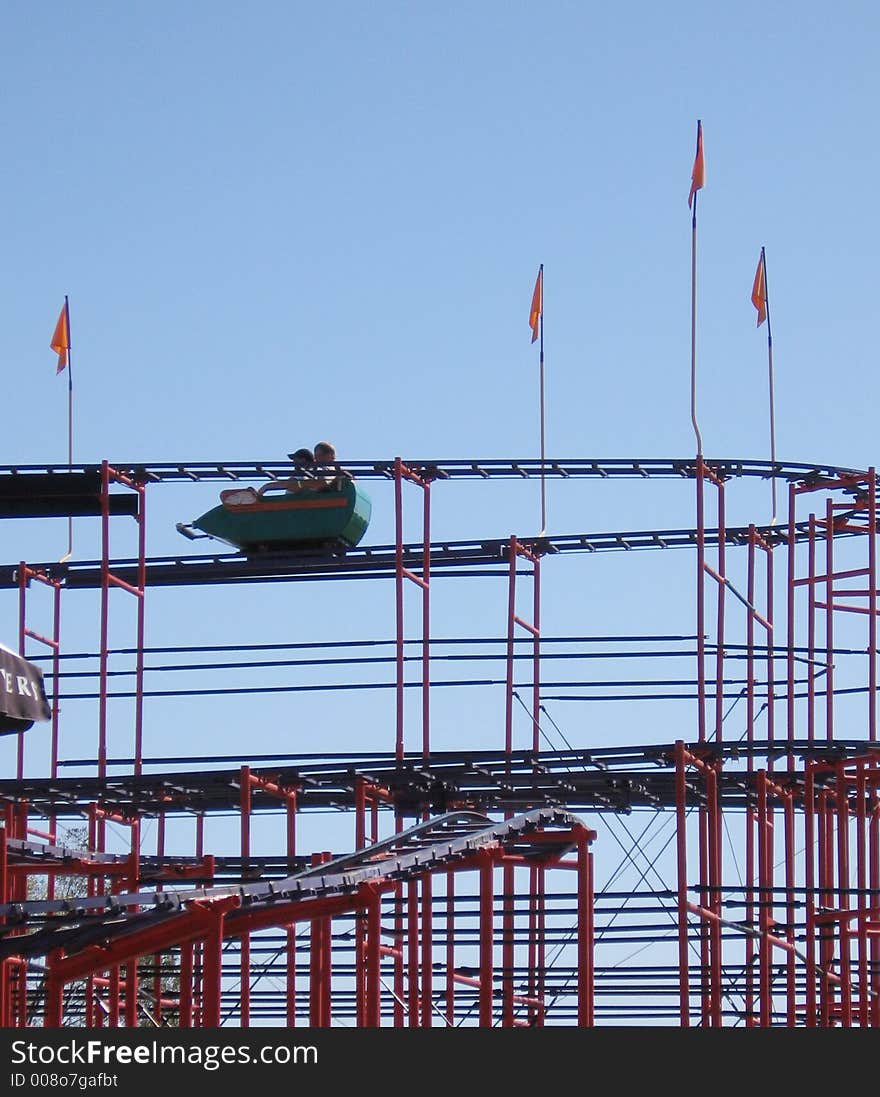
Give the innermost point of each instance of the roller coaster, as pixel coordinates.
(748, 894)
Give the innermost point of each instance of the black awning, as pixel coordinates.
(22, 693)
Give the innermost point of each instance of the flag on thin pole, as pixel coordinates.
(61, 338)
(537, 309)
(759, 291)
(761, 301)
(698, 174)
(536, 323)
(61, 345)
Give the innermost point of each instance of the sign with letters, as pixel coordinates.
(22, 693)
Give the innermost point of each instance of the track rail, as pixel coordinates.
(512, 469)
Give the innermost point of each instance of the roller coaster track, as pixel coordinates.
(451, 557)
(599, 779)
(809, 473)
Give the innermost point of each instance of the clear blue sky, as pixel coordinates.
(288, 221)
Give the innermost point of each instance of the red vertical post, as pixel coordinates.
(104, 655)
(412, 951)
(862, 884)
(427, 959)
(53, 1014)
(764, 892)
(810, 893)
(842, 799)
(316, 964)
(373, 1018)
(541, 951)
(584, 930)
(486, 939)
(398, 595)
(450, 947)
(701, 606)
(290, 930)
(719, 647)
(825, 899)
(245, 955)
(681, 861)
(327, 963)
(829, 620)
(360, 929)
(790, 908)
(131, 972)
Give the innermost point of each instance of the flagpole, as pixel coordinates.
(541, 372)
(69, 424)
(694, 328)
(770, 379)
(697, 180)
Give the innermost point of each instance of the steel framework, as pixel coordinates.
(455, 917)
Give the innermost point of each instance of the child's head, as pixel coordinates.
(302, 457)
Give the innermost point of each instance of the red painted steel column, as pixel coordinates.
(426, 618)
(398, 595)
(373, 1017)
(749, 999)
(198, 947)
(829, 620)
(105, 609)
(811, 631)
(714, 835)
(427, 982)
(412, 947)
(810, 896)
(719, 647)
(536, 657)
(131, 974)
(790, 908)
(826, 901)
(450, 947)
(327, 963)
(790, 616)
(585, 931)
(53, 1014)
(140, 594)
(316, 964)
(843, 897)
(511, 626)
(681, 861)
(486, 939)
(701, 607)
(541, 957)
(874, 877)
(245, 954)
(861, 884)
(507, 950)
(764, 893)
(290, 930)
(360, 929)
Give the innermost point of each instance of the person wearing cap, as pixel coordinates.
(303, 462)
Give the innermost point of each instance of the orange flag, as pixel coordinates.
(61, 339)
(537, 303)
(759, 291)
(698, 175)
